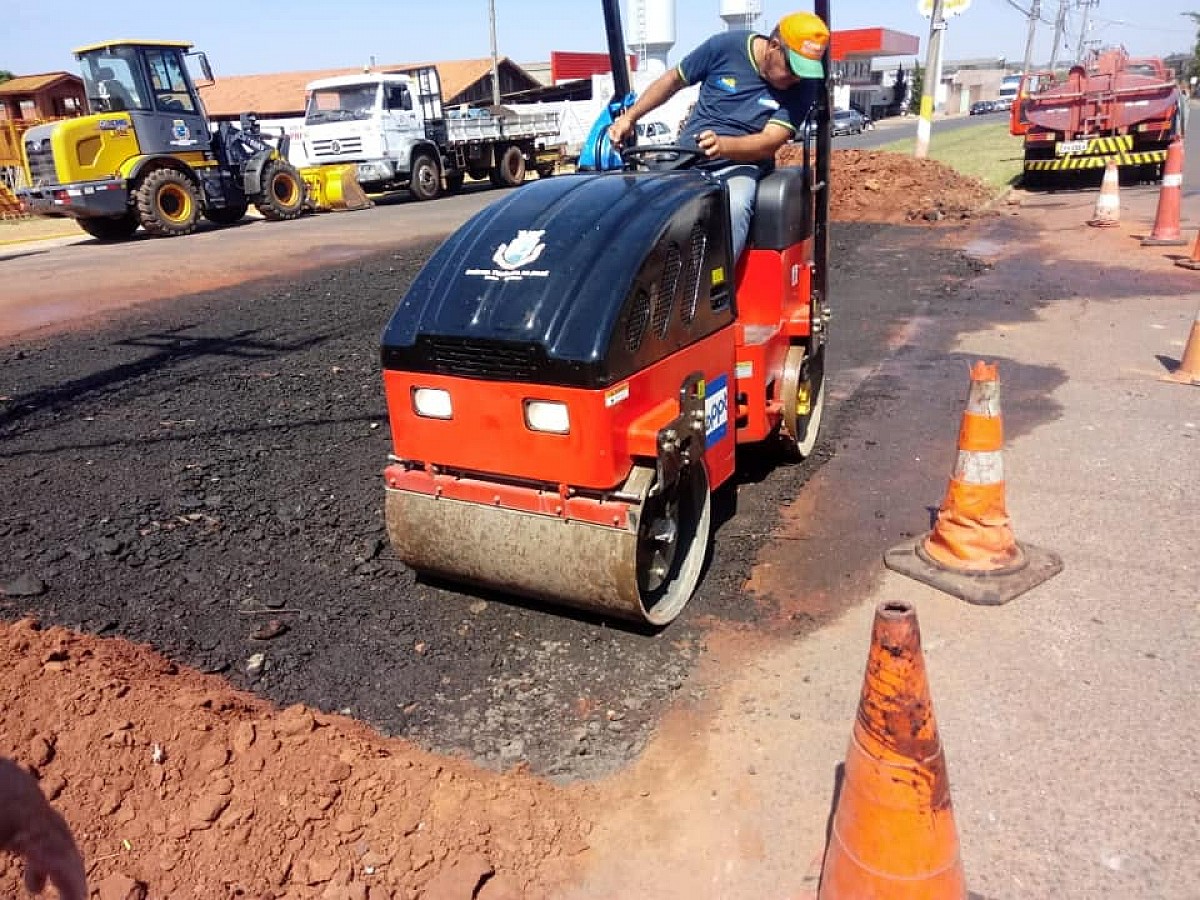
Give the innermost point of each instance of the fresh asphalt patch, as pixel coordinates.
(204, 476)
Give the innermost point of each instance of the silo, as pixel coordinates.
(740, 15)
(650, 32)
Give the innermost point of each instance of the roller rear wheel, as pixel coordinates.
(803, 396)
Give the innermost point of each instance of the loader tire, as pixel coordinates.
(426, 180)
(510, 168)
(168, 203)
(282, 196)
(110, 228)
(227, 215)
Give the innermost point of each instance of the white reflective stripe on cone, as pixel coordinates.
(979, 467)
(984, 399)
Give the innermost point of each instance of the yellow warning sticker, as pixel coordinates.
(718, 276)
(616, 395)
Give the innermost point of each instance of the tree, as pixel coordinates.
(1194, 63)
(6, 75)
(917, 86)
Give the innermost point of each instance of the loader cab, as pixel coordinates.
(149, 81)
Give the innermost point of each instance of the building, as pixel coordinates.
(27, 100)
(36, 98)
(865, 74)
(281, 95)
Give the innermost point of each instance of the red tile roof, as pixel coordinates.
(283, 93)
(29, 84)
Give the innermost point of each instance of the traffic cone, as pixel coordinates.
(1166, 231)
(971, 552)
(1108, 204)
(893, 833)
(1188, 371)
(1193, 262)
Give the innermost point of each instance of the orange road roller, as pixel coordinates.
(568, 377)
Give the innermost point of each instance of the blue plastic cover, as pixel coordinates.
(598, 153)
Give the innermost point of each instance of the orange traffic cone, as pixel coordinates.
(1166, 231)
(971, 551)
(893, 833)
(1193, 262)
(1108, 204)
(1188, 371)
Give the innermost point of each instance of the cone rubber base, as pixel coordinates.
(979, 588)
(1165, 242)
(1181, 378)
(1100, 223)
(1193, 264)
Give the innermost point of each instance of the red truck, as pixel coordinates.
(1115, 107)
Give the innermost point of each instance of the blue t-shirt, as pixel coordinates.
(734, 98)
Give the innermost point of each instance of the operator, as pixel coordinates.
(31, 828)
(755, 93)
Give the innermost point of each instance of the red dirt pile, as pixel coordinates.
(871, 186)
(177, 786)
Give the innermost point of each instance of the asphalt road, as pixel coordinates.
(193, 468)
(906, 129)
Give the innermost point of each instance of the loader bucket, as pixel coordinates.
(334, 188)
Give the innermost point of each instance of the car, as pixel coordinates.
(982, 107)
(655, 133)
(848, 121)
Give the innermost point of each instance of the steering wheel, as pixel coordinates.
(662, 157)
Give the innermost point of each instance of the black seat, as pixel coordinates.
(782, 210)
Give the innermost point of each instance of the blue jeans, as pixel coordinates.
(741, 180)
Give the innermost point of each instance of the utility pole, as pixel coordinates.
(929, 84)
(495, 61)
(1086, 6)
(1035, 13)
(1059, 24)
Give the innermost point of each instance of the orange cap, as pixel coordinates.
(804, 36)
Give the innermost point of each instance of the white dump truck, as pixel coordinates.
(394, 127)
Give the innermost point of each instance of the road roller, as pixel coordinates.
(569, 376)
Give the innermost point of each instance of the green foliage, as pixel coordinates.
(6, 75)
(1194, 63)
(917, 77)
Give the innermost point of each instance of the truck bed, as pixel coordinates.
(471, 129)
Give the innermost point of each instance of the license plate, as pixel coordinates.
(1065, 147)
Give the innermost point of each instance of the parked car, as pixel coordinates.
(848, 121)
(655, 133)
(982, 107)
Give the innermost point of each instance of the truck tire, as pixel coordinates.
(168, 203)
(282, 197)
(510, 168)
(227, 215)
(110, 228)
(425, 182)
(454, 182)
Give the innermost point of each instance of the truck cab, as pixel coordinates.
(372, 120)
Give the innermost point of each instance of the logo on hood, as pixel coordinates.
(526, 247)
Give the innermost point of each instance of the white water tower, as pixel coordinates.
(650, 33)
(740, 15)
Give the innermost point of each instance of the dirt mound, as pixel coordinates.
(177, 786)
(871, 186)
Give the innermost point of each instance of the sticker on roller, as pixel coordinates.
(616, 395)
(716, 411)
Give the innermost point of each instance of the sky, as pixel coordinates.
(244, 37)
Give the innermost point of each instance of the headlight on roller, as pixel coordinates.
(547, 415)
(432, 403)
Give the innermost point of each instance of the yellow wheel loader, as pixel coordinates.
(147, 155)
